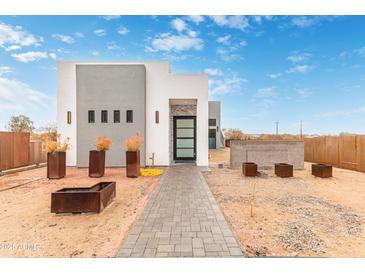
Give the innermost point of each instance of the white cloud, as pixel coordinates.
(178, 24)
(95, 53)
(170, 42)
(123, 30)
(300, 69)
(228, 54)
(275, 75)
(111, 17)
(4, 70)
(99, 32)
(14, 37)
(15, 95)
(361, 51)
(342, 112)
(64, 38)
(227, 85)
(52, 55)
(192, 33)
(79, 35)
(31, 56)
(213, 71)
(243, 43)
(304, 21)
(197, 19)
(304, 93)
(224, 39)
(266, 92)
(233, 21)
(299, 57)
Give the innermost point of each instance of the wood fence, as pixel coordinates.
(344, 151)
(16, 150)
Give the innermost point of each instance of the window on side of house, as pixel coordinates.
(212, 122)
(116, 116)
(129, 118)
(104, 116)
(91, 116)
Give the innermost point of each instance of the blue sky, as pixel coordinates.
(262, 68)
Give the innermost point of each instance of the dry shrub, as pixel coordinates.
(57, 146)
(234, 134)
(134, 143)
(103, 143)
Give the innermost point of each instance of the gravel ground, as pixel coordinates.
(299, 216)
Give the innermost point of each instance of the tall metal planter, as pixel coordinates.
(56, 165)
(96, 163)
(133, 163)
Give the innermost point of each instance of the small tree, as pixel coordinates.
(48, 132)
(234, 134)
(20, 123)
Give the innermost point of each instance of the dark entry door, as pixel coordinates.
(212, 138)
(184, 137)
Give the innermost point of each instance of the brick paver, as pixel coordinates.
(181, 219)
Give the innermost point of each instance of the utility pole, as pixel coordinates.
(301, 129)
(277, 127)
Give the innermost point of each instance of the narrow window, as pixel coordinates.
(212, 122)
(157, 117)
(104, 116)
(91, 116)
(68, 117)
(116, 116)
(129, 116)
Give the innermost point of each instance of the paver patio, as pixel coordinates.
(181, 219)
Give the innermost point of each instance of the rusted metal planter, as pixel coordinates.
(96, 163)
(283, 170)
(322, 170)
(83, 199)
(249, 169)
(56, 165)
(133, 163)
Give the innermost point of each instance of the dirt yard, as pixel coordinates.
(299, 216)
(28, 229)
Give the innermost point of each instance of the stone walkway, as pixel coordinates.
(181, 219)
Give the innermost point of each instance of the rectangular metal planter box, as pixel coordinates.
(249, 169)
(56, 165)
(83, 199)
(283, 170)
(96, 163)
(227, 142)
(322, 170)
(133, 163)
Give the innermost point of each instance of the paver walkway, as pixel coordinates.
(181, 219)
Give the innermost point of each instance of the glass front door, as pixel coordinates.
(184, 137)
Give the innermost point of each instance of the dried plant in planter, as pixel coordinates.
(103, 143)
(134, 143)
(132, 147)
(56, 157)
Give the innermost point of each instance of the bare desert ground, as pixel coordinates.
(28, 229)
(299, 216)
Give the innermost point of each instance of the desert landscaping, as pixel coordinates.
(299, 216)
(28, 229)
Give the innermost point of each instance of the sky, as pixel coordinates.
(263, 69)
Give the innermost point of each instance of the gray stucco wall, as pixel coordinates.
(109, 87)
(266, 153)
(178, 110)
(215, 113)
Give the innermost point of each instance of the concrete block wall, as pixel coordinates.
(266, 153)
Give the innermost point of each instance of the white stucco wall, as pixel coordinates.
(66, 101)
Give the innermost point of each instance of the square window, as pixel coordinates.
(104, 116)
(91, 116)
(116, 116)
(129, 116)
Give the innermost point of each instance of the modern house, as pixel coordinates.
(116, 99)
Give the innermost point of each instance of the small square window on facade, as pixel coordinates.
(212, 122)
(157, 117)
(68, 117)
(104, 116)
(116, 116)
(129, 116)
(91, 116)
